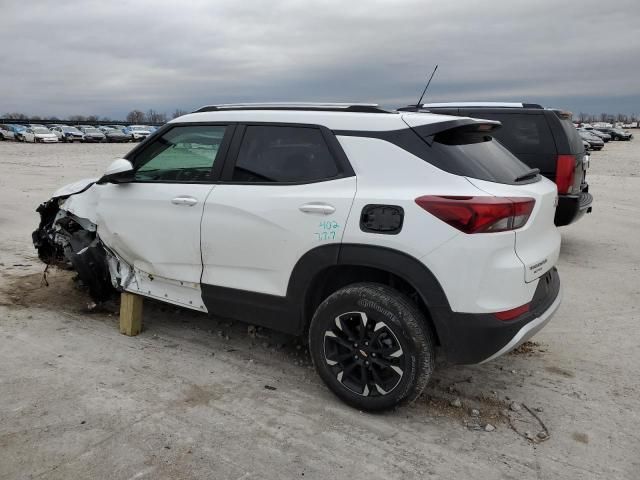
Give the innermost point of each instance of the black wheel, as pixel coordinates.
(371, 346)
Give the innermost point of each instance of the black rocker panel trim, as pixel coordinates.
(287, 313)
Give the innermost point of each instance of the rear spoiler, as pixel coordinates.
(459, 127)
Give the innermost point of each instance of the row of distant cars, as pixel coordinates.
(594, 138)
(53, 133)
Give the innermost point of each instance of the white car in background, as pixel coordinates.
(40, 135)
(138, 132)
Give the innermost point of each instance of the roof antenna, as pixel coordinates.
(425, 88)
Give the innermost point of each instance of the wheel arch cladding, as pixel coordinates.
(317, 267)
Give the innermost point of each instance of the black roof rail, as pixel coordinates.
(425, 107)
(323, 107)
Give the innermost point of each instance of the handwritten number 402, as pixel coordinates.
(328, 225)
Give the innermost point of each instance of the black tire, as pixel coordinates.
(342, 340)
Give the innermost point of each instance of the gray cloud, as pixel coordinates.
(106, 58)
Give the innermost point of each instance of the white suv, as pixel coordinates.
(379, 235)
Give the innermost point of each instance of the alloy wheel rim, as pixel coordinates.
(364, 354)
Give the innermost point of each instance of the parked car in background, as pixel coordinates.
(121, 128)
(585, 144)
(540, 137)
(616, 133)
(595, 142)
(19, 132)
(39, 135)
(138, 132)
(92, 134)
(7, 132)
(68, 134)
(604, 136)
(114, 135)
(375, 234)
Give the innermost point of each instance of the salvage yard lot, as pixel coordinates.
(199, 397)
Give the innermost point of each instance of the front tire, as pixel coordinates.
(371, 346)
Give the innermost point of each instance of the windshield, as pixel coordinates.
(40, 130)
(70, 130)
(137, 127)
(91, 130)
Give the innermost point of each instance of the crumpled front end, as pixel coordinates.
(68, 241)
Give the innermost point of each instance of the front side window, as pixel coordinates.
(281, 154)
(182, 154)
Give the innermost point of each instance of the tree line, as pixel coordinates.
(606, 117)
(134, 117)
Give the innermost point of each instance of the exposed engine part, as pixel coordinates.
(63, 239)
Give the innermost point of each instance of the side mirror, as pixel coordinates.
(120, 171)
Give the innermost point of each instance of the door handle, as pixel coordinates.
(184, 200)
(322, 208)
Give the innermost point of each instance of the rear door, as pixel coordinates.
(286, 189)
(489, 166)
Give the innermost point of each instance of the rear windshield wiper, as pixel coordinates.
(527, 175)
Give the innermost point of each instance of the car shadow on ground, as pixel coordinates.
(478, 397)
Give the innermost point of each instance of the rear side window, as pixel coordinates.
(282, 154)
(474, 154)
(523, 134)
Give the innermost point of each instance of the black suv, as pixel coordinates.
(542, 138)
(616, 133)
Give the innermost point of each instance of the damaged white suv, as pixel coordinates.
(380, 235)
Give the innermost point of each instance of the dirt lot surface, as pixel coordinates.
(199, 397)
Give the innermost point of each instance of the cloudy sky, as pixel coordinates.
(109, 57)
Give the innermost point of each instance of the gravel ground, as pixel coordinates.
(199, 397)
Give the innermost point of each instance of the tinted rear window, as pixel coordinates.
(523, 133)
(475, 155)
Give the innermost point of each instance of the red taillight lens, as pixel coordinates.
(513, 313)
(565, 169)
(479, 214)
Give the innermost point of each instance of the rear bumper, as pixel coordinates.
(572, 207)
(477, 338)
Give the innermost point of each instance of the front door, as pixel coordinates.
(153, 222)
